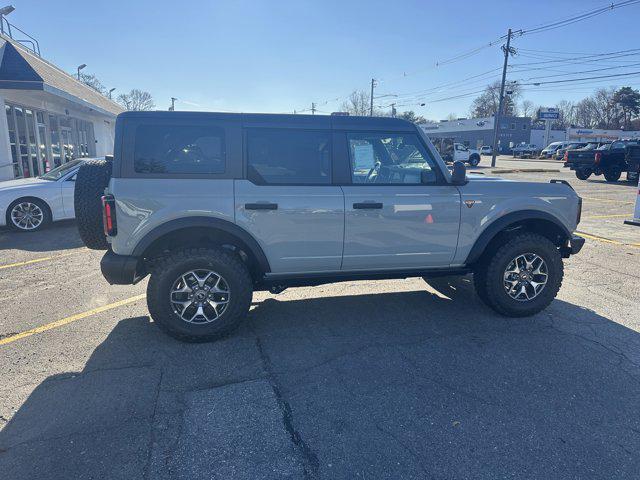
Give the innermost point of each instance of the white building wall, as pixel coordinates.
(537, 137)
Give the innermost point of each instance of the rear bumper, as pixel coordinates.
(120, 269)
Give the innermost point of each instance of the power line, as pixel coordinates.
(585, 78)
(576, 18)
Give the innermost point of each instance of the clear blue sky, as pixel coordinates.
(277, 56)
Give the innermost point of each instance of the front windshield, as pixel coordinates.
(606, 146)
(61, 171)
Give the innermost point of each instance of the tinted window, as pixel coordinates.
(389, 159)
(288, 156)
(179, 149)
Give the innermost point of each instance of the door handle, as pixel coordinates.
(367, 205)
(260, 206)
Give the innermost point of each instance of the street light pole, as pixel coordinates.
(5, 11)
(110, 92)
(173, 104)
(373, 84)
(80, 67)
(496, 118)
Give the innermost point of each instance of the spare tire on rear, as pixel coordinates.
(93, 177)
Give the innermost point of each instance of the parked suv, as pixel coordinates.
(214, 206)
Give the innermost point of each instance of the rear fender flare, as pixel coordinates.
(204, 222)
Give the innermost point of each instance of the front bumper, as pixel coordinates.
(120, 269)
(573, 246)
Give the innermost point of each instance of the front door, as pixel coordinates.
(399, 212)
(288, 203)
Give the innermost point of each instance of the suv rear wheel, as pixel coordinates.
(200, 294)
(521, 277)
(613, 174)
(583, 174)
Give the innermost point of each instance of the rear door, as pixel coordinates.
(287, 201)
(399, 211)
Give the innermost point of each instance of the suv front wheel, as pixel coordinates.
(521, 277)
(199, 294)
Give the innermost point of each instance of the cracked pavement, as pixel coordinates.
(388, 379)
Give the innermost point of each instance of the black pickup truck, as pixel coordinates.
(608, 159)
(633, 163)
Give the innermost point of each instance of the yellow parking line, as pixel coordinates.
(35, 260)
(67, 320)
(606, 240)
(615, 215)
(609, 200)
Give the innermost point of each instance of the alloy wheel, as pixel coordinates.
(525, 277)
(27, 216)
(200, 296)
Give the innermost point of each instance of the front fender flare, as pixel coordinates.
(505, 221)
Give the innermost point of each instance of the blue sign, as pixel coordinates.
(549, 115)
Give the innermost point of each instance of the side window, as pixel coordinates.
(179, 149)
(288, 156)
(394, 158)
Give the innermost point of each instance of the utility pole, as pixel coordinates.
(393, 110)
(373, 85)
(496, 119)
(313, 108)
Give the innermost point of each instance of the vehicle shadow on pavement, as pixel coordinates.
(58, 236)
(414, 384)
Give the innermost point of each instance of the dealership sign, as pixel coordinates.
(548, 114)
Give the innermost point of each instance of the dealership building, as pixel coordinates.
(476, 132)
(50, 117)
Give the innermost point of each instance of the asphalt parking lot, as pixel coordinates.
(388, 379)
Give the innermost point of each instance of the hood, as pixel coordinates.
(21, 183)
(478, 177)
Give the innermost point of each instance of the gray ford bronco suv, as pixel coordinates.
(214, 206)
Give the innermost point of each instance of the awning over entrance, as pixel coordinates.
(21, 69)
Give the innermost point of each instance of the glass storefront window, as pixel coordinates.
(55, 141)
(41, 141)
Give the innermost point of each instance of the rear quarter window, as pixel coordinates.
(179, 149)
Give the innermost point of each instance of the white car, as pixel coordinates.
(460, 152)
(29, 204)
(486, 150)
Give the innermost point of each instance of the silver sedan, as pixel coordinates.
(29, 204)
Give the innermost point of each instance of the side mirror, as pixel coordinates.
(459, 173)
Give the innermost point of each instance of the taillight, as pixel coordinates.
(566, 156)
(109, 215)
(598, 158)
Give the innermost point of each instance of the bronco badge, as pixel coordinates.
(469, 203)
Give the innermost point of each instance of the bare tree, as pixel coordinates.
(566, 118)
(586, 113)
(136, 100)
(487, 103)
(358, 104)
(451, 117)
(90, 80)
(527, 108)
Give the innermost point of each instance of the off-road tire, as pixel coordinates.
(166, 269)
(474, 160)
(583, 174)
(488, 277)
(93, 177)
(44, 208)
(612, 175)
